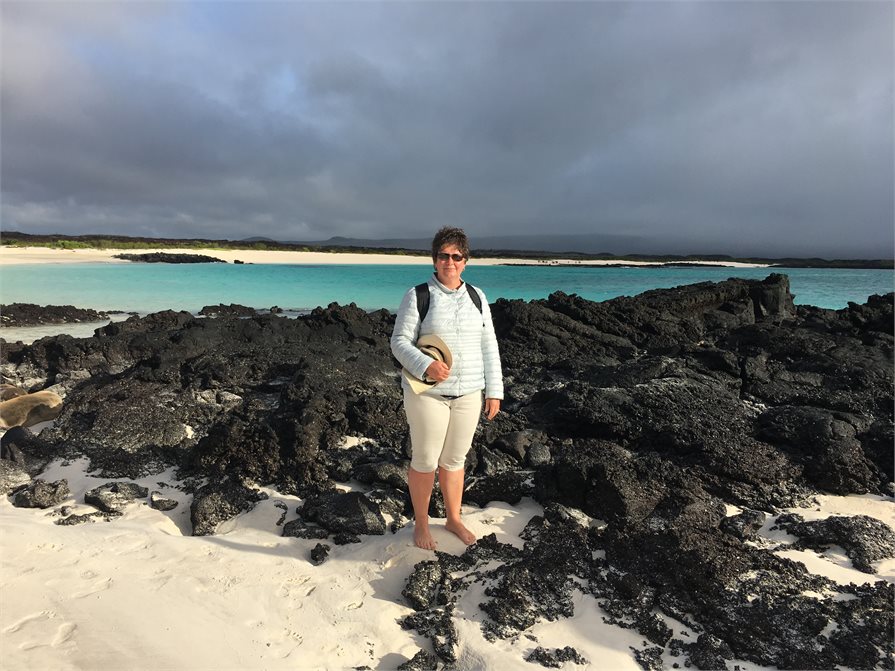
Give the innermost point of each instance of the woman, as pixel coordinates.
(443, 418)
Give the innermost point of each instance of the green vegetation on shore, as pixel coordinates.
(16, 239)
(116, 242)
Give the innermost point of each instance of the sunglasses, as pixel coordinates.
(444, 256)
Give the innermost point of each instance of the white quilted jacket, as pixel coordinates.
(454, 318)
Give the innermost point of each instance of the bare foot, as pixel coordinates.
(460, 532)
(422, 538)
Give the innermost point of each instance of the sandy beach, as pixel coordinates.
(23, 255)
(139, 592)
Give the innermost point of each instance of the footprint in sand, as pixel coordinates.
(285, 643)
(42, 615)
(98, 586)
(287, 586)
(64, 634)
(41, 632)
(397, 554)
(160, 579)
(354, 605)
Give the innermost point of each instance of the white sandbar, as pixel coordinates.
(10, 256)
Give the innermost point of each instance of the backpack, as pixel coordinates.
(422, 298)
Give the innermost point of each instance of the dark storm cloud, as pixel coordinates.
(738, 127)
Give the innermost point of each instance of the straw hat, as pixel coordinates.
(436, 348)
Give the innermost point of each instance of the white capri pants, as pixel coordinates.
(441, 429)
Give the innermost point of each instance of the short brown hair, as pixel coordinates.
(450, 236)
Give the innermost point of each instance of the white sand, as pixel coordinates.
(20, 255)
(137, 593)
(834, 563)
(140, 593)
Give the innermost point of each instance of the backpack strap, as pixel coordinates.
(474, 295)
(422, 299)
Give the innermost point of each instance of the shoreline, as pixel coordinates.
(13, 256)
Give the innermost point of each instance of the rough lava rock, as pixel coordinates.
(319, 553)
(554, 659)
(42, 494)
(113, 496)
(634, 422)
(26, 450)
(165, 257)
(29, 314)
(232, 310)
(421, 661)
(744, 525)
(300, 529)
(74, 520)
(864, 539)
(12, 477)
(217, 502)
(159, 501)
(345, 512)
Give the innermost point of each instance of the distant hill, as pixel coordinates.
(508, 247)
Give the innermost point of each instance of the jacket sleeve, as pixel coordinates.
(490, 355)
(405, 335)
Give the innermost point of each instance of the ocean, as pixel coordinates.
(145, 288)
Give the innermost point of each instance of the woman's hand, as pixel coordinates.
(492, 407)
(438, 371)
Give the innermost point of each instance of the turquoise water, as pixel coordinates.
(151, 287)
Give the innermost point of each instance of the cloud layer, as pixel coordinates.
(728, 127)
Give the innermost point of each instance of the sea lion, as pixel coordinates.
(7, 391)
(30, 409)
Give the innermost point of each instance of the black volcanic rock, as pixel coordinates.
(383, 472)
(633, 422)
(509, 486)
(710, 652)
(158, 501)
(29, 314)
(25, 449)
(554, 659)
(864, 539)
(298, 528)
(319, 553)
(220, 501)
(538, 454)
(437, 624)
(348, 512)
(744, 525)
(74, 520)
(113, 496)
(165, 257)
(12, 477)
(42, 494)
(424, 584)
(421, 661)
(232, 310)
(825, 442)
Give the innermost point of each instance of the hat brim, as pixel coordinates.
(417, 386)
(433, 342)
(436, 348)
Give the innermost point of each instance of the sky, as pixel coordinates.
(759, 127)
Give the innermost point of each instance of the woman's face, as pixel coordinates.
(447, 269)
